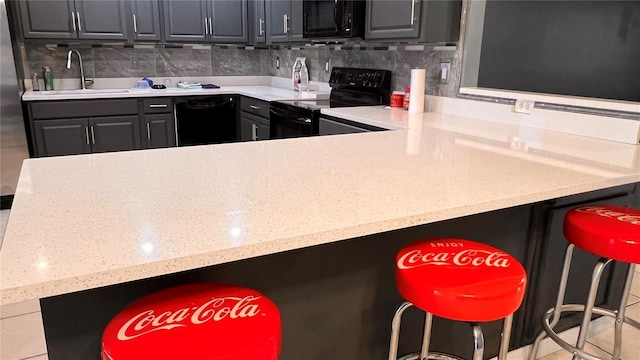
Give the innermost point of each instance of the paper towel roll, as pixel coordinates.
(416, 98)
(414, 135)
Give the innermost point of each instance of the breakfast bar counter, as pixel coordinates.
(93, 221)
(80, 222)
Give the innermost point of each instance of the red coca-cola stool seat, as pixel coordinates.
(459, 280)
(613, 233)
(196, 322)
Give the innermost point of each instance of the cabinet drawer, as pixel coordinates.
(83, 108)
(255, 106)
(158, 105)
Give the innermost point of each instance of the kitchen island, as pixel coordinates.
(313, 223)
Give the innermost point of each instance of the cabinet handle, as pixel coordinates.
(206, 27)
(254, 107)
(254, 132)
(210, 26)
(86, 132)
(73, 20)
(135, 24)
(286, 24)
(148, 132)
(93, 136)
(261, 27)
(157, 105)
(79, 23)
(413, 10)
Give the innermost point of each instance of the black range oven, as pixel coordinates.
(333, 18)
(349, 87)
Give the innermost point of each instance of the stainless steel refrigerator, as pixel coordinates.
(13, 142)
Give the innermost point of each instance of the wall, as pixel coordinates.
(112, 61)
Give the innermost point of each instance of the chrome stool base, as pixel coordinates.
(552, 316)
(432, 356)
(424, 354)
(579, 353)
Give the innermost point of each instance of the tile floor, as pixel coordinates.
(22, 336)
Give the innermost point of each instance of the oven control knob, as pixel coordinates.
(366, 77)
(378, 77)
(338, 75)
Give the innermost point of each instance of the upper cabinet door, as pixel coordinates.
(145, 15)
(186, 20)
(398, 19)
(295, 21)
(278, 15)
(102, 19)
(228, 21)
(260, 22)
(48, 19)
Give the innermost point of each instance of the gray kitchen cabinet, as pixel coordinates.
(115, 133)
(84, 126)
(228, 21)
(186, 20)
(417, 20)
(253, 128)
(158, 125)
(284, 20)
(159, 131)
(61, 137)
(47, 19)
(258, 21)
(83, 136)
(79, 19)
(221, 21)
(102, 19)
(145, 15)
(254, 119)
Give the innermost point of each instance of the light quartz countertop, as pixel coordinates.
(262, 92)
(86, 221)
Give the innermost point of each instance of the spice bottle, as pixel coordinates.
(407, 95)
(47, 75)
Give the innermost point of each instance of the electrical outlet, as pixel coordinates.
(277, 62)
(327, 65)
(135, 62)
(445, 70)
(523, 106)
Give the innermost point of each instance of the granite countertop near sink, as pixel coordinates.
(262, 92)
(86, 221)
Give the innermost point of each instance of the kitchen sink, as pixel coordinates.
(85, 91)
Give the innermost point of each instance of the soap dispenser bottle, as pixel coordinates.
(304, 78)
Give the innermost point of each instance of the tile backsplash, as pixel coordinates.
(113, 61)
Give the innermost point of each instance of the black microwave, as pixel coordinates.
(333, 19)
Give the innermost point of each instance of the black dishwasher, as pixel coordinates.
(206, 120)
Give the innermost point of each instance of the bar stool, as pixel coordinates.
(613, 233)
(459, 280)
(196, 321)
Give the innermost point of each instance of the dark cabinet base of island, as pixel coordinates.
(337, 300)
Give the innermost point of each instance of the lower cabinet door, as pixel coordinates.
(62, 137)
(247, 128)
(114, 133)
(263, 131)
(159, 131)
(253, 127)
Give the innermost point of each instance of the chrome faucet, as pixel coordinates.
(83, 81)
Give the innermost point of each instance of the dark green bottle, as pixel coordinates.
(47, 75)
